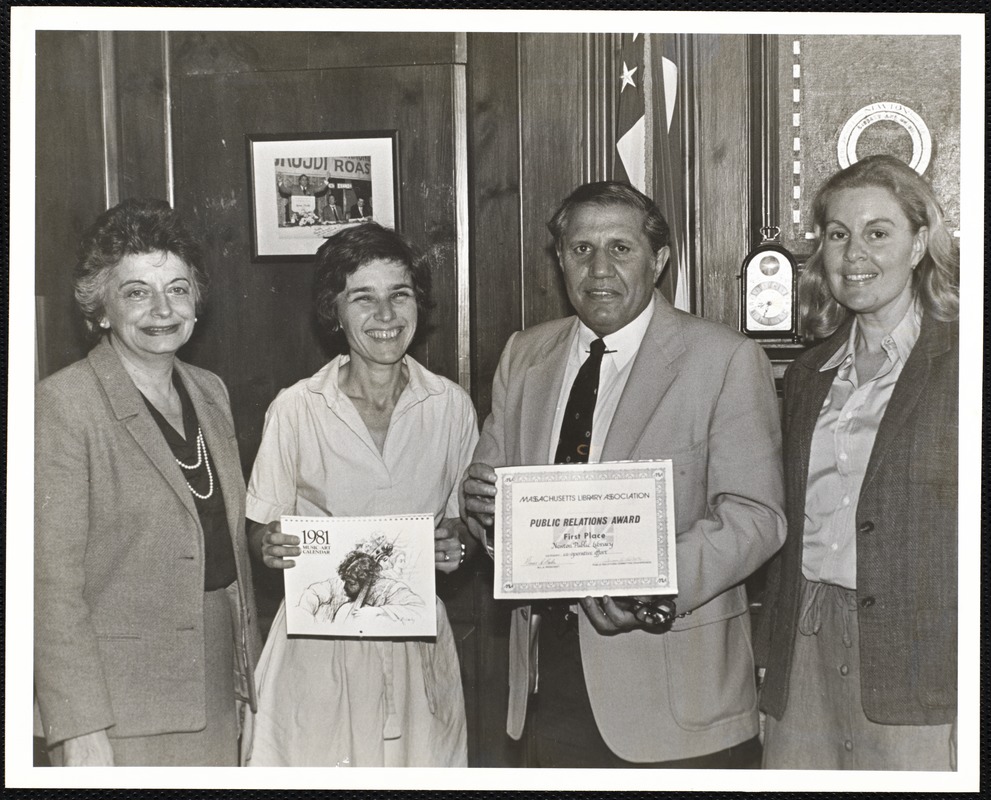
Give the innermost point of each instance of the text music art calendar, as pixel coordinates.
(569, 530)
(362, 576)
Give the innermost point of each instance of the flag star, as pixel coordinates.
(627, 77)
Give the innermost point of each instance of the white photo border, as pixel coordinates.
(26, 21)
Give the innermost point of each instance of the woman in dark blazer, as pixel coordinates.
(858, 633)
(145, 632)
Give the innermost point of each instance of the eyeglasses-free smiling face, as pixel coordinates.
(609, 268)
(869, 252)
(150, 305)
(377, 311)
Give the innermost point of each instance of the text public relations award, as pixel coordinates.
(568, 530)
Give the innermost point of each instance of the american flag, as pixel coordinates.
(632, 152)
(648, 144)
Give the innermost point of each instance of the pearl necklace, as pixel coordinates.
(201, 458)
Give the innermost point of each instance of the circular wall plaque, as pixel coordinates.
(846, 147)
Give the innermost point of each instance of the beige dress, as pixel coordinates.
(347, 702)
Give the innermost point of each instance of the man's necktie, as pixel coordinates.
(576, 428)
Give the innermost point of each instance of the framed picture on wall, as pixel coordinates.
(306, 187)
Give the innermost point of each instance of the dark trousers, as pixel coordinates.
(561, 730)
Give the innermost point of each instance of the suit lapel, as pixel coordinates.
(908, 389)
(542, 383)
(654, 370)
(217, 432)
(128, 406)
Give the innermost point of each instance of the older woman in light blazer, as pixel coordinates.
(145, 632)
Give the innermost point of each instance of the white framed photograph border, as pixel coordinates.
(321, 155)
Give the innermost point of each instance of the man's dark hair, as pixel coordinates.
(612, 193)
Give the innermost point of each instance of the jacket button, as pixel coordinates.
(866, 602)
(865, 527)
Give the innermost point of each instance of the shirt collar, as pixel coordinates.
(422, 383)
(897, 345)
(622, 345)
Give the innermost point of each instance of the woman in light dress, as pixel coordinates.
(371, 433)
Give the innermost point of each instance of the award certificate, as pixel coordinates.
(575, 530)
(362, 576)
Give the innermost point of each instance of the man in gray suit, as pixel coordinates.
(619, 686)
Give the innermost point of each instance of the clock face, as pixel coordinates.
(767, 288)
(769, 303)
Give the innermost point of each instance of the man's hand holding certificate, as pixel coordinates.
(567, 531)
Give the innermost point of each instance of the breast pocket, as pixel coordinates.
(688, 477)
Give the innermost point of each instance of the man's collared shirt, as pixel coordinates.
(841, 447)
(621, 348)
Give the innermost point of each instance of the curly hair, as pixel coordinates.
(935, 279)
(361, 565)
(612, 193)
(132, 227)
(342, 254)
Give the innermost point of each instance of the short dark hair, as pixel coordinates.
(612, 193)
(132, 227)
(935, 279)
(342, 254)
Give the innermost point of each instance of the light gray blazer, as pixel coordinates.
(119, 558)
(703, 396)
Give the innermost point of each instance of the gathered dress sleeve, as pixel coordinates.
(272, 488)
(466, 422)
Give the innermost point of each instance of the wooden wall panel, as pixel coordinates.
(249, 51)
(257, 333)
(494, 226)
(722, 145)
(552, 148)
(141, 104)
(494, 229)
(69, 185)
